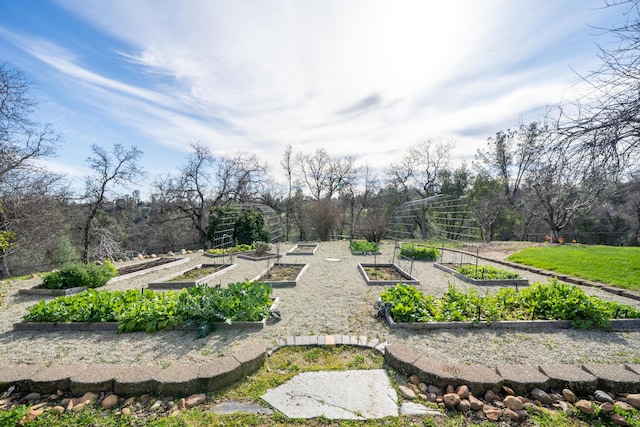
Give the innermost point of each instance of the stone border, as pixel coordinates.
(113, 326)
(165, 284)
(480, 282)
(615, 325)
(282, 283)
(183, 379)
(409, 280)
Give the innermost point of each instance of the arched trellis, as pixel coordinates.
(223, 234)
(441, 217)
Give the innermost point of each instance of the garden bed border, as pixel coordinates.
(410, 280)
(281, 283)
(165, 284)
(176, 262)
(481, 282)
(314, 245)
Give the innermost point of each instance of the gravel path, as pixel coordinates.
(331, 298)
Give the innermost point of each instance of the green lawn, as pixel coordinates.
(613, 265)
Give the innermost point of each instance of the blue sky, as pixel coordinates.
(368, 78)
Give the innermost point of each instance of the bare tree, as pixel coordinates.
(206, 181)
(22, 141)
(325, 175)
(111, 168)
(287, 164)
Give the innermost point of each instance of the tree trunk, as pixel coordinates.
(4, 269)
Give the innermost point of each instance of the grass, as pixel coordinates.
(613, 265)
(282, 366)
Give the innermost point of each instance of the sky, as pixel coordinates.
(367, 78)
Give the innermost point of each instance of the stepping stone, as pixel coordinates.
(354, 395)
(227, 408)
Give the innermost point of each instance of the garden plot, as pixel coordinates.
(200, 274)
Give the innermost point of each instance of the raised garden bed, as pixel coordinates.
(303, 249)
(385, 274)
(201, 273)
(362, 247)
(225, 252)
(155, 264)
(43, 292)
(281, 275)
(418, 252)
(451, 269)
(113, 326)
(254, 256)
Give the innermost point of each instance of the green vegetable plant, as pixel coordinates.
(486, 272)
(75, 275)
(364, 246)
(410, 250)
(231, 250)
(548, 301)
(152, 311)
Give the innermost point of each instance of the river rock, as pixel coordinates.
(414, 379)
(476, 404)
(489, 396)
(463, 392)
(634, 400)
(607, 407)
(464, 405)
(619, 420)
(422, 387)
(88, 397)
(541, 396)
(602, 396)
(406, 392)
(58, 410)
(451, 400)
(109, 401)
(513, 403)
(624, 406)
(492, 414)
(433, 389)
(569, 396)
(585, 406)
(195, 400)
(512, 414)
(33, 397)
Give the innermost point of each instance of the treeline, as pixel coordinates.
(571, 175)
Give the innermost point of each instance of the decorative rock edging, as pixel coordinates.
(189, 379)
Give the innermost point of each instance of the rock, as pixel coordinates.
(88, 397)
(58, 410)
(531, 407)
(565, 407)
(634, 400)
(72, 403)
(602, 396)
(414, 388)
(476, 404)
(65, 402)
(412, 408)
(79, 407)
(492, 414)
(157, 405)
(170, 253)
(619, 420)
(126, 411)
(555, 397)
(432, 397)
(154, 256)
(198, 399)
(33, 412)
(414, 379)
(541, 396)
(569, 396)
(422, 387)
(624, 406)
(433, 389)
(463, 392)
(480, 415)
(110, 401)
(607, 407)
(31, 397)
(464, 405)
(423, 396)
(513, 403)
(585, 406)
(451, 400)
(450, 389)
(508, 390)
(406, 392)
(99, 263)
(175, 413)
(489, 396)
(512, 414)
(140, 257)
(183, 251)
(200, 251)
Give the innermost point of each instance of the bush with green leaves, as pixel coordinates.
(486, 272)
(364, 246)
(541, 301)
(76, 275)
(152, 311)
(232, 250)
(426, 253)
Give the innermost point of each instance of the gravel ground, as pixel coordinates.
(331, 298)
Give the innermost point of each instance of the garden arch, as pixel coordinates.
(223, 234)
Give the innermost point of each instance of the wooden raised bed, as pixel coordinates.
(481, 282)
(155, 264)
(281, 275)
(168, 283)
(389, 274)
(303, 249)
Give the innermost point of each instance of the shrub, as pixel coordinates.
(75, 275)
(409, 250)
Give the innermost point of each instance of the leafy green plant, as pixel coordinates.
(262, 248)
(74, 275)
(486, 272)
(549, 301)
(151, 311)
(410, 250)
(231, 250)
(364, 246)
